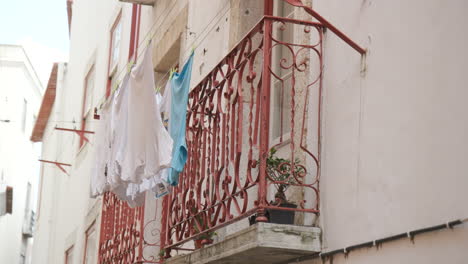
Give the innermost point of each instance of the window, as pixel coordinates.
(116, 35)
(9, 200)
(69, 255)
(90, 245)
(25, 111)
(114, 52)
(87, 101)
(6, 200)
(281, 87)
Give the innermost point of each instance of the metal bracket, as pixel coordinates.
(79, 132)
(325, 23)
(58, 164)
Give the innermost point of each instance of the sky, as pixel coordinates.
(41, 27)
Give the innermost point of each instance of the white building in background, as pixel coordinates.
(20, 97)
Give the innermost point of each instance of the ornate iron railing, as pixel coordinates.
(129, 235)
(121, 231)
(229, 173)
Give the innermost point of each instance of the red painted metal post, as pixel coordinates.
(265, 114)
(163, 234)
(133, 30)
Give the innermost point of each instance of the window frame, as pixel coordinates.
(24, 116)
(85, 114)
(92, 227)
(67, 254)
(112, 68)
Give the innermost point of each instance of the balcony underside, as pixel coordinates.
(260, 243)
(141, 2)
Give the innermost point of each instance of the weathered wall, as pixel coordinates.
(66, 209)
(51, 182)
(394, 138)
(174, 27)
(445, 246)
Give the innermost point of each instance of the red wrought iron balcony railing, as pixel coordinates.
(252, 135)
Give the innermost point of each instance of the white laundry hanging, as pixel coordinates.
(99, 182)
(146, 147)
(140, 145)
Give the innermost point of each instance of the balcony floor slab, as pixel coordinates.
(260, 243)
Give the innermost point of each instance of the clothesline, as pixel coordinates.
(206, 35)
(191, 47)
(199, 39)
(135, 153)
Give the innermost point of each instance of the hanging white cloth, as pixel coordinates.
(134, 149)
(101, 169)
(141, 146)
(145, 146)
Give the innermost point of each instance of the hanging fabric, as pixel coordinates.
(139, 145)
(99, 181)
(166, 105)
(145, 147)
(180, 84)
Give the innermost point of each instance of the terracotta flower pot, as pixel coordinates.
(198, 243)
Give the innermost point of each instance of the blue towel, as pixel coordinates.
(180, 85)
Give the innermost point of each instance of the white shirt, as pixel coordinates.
(142, 146)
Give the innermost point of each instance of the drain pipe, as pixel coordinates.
(379, 242)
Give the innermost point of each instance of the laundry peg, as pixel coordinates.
(130, 65)
(116, 86)
(193, 49)
(96, 115)
(171, 72)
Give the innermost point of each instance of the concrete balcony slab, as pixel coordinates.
(260, 243)
(141, 2)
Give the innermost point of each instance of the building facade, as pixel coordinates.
(344, 118)
(20, 95)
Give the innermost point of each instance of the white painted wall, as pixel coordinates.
(394, 141)
(18, 155)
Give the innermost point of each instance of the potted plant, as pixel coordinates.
(205, 238)
(279, 172)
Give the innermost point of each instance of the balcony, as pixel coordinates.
(253, 144)
(249, 191)
(28, 224)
